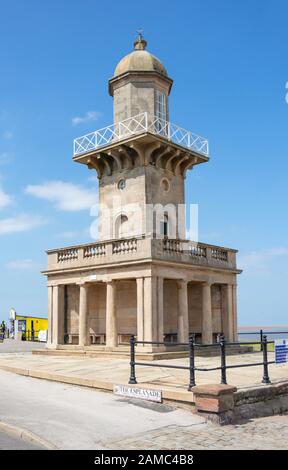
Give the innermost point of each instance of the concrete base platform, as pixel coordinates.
(124, 352)
(103, 372)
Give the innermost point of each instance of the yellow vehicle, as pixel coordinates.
(27, 325)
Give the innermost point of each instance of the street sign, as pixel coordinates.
(135, 392)
(281, 351)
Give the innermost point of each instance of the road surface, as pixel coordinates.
(71, 417)
(10, 442)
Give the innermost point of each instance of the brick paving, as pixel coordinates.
(256, 434)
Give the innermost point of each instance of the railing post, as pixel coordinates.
(223, 359)
(266, 379)
(191, 362)
(189, 140)
(261, 339)
(132, 379)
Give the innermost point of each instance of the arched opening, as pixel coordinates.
(121, 226)
(164, 226)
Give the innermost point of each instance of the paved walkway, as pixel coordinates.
(13, 345)
(257, 434)
(104, 372)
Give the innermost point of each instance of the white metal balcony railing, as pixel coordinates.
(138, 125)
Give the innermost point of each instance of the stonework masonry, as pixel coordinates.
(142, 276)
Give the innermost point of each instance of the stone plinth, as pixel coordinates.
(215, 402)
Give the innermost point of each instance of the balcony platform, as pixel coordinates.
(138, 250)
(139, 141)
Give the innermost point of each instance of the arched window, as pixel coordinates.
(164, 226)
(121, 226)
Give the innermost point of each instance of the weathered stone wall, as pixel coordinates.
(97, 309)
(266, 400)
(195, 308)
(170, 306)
(129, 202)
(126, 307)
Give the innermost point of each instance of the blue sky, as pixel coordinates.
(229, 65)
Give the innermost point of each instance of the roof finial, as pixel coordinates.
(140, 43)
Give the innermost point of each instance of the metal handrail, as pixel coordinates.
(192, 368)
(261, 333)
(139, 124)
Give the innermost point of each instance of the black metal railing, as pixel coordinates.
(261, 334)
(192, 368)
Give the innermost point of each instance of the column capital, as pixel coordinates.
(112, 282)
(82, 284)
(207, 283)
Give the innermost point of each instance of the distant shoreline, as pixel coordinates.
(284, 327)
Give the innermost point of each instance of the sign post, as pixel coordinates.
(281, 351)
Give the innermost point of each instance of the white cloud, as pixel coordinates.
(74, 233)
(20, 223)
(89, 116)
(5, 199)
(5, 158)
(8, 135)
(66, 196)
(258, 261)
(22, 264)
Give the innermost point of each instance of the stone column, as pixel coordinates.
(183, 319)
(207, 327)
(160, 282)
(235, 319)
(150, 311)
(140, 309)
(227, 311)
(57, 315)
(83, 323)
(50, 316)
(111, 318)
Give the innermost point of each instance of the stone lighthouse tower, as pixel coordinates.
(141, 277)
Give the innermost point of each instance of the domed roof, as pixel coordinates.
(140, 60)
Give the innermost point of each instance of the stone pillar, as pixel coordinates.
(57, 306)
(83, 314)
(215, 402)
(183, 319)
(235, 319)
(207, 327)
(50, 317)
(227, 311)
(111, 318)
(224, 310)
(140, 309)
(150, 311)
(160, 282)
